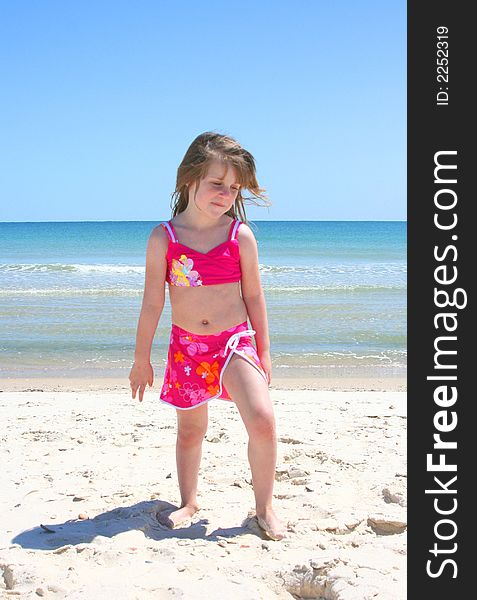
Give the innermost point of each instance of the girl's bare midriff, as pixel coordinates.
(206, 310)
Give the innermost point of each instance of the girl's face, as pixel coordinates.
(218, 190)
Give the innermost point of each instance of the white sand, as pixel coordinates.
(341, 485)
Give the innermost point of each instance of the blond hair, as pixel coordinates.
(204, 149)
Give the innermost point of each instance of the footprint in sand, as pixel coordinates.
(289, 440)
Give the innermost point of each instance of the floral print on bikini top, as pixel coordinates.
(189, 268)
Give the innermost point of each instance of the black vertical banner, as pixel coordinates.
(442, 240)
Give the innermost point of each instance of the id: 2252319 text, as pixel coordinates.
(442, 61)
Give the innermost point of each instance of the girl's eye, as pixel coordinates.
(235, 189)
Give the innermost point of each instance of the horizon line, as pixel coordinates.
(252, 220)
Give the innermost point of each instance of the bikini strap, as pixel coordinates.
(234, 228)
(170, 231)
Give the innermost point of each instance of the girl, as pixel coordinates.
(208, 247)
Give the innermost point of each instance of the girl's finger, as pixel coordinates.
(141, 391)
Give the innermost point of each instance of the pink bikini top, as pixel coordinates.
(189, 268)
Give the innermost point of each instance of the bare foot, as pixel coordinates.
(271, 525)
(177, 517)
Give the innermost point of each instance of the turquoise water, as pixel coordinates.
(70, 296)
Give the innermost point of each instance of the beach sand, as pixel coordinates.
(85, 469)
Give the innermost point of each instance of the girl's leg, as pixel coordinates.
(191, 429)
(250, 392)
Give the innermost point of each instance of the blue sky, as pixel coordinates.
(101, 99)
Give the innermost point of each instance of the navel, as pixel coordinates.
(205, 322)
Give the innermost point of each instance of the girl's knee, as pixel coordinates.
(262, 424)
(192, 425)
(190, 435)
(189, 440)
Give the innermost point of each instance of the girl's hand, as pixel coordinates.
(140, 375)
(266, 361)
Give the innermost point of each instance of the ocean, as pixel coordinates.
(71, 293)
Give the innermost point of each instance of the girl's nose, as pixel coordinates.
(225, 191)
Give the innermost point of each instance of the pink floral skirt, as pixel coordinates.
(196, 364)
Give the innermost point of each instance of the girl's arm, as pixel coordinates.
(154, 293)
(152, 304)
(252, 294)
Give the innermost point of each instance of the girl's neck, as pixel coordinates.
(199, 221)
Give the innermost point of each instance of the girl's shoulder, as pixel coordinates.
(245, 233)
(159, 239)
(247, 242)
(159, 231)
